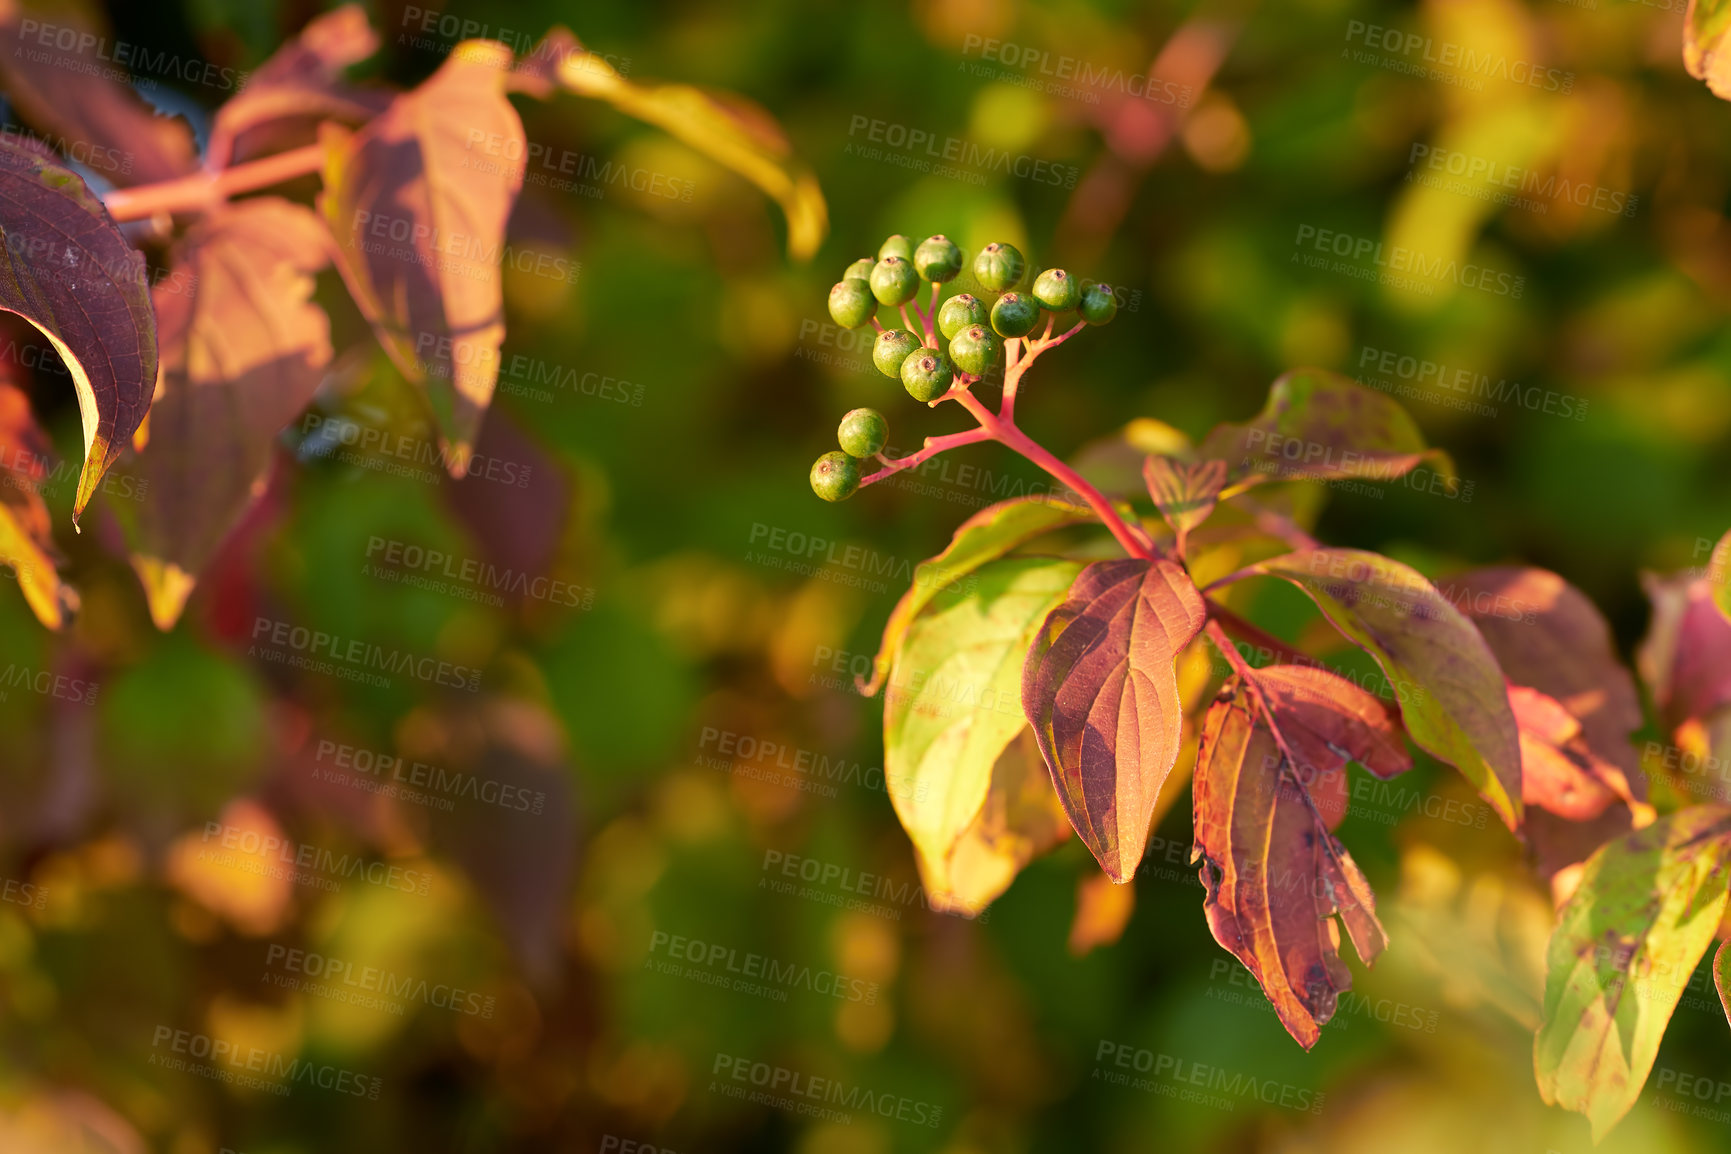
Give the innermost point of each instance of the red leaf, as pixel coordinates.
(74, 276)
(1328, 721)
(1100, 690)
(1274, 876)
(1558, 771)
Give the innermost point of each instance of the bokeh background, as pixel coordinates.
(681, 726)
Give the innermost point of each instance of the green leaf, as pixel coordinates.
(1719, 574)
(1318, 425)
(1722, 977)
(1454, 699)
(986, 536)
(1704, 28)
(955, 694)
(722, 125)
(1624, 947)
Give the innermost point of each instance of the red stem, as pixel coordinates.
(933, 446)
(202, 191)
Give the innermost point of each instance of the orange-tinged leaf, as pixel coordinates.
(724, 127)
(419, 212)
(300, 82)
(1421, 642)
(1558, 772)
(243, 351)
(1549, 636)
(1704, 27)
(73, 275)
(1275, 877)
(1100, 689)
(1103, 909)
(1625, 945)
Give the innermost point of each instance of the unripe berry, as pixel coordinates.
(1015, 315)
(1098, 304)
(891, 349)
(974, 349)
(861, 268)
(851, 303)
(927, 374)
(998, 267)
(897, 245)
(959, 312)
(1057, 290)
(938, 259)
(863, 433)
(894, 281)
(835, 477)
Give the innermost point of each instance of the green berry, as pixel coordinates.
(938, 259)
(974, 349)
(1098, 304)
(1015, 315)
(863, 433)
(897, 245)
(891, 349)
(998, 267)
(927, 374)
(1057, 290)
(835, 477)
(851, 303)
(861, 268)
(959, 312)
(894, 281)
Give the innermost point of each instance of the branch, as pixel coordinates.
(933, 446)
(203, 191)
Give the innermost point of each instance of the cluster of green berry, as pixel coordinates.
(971, 329)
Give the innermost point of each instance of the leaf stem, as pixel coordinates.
(202, 191)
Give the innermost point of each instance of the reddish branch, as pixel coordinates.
(202, 191)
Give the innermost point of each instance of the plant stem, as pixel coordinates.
(933, 446)
(1006, 433)
(204, 190)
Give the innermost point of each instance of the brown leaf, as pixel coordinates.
(1184, 492)
(75, 277)
(1020, 820)
(244, 349)
(301, 82)
(1100, 689)
(1274, 876)
(85, 103)
(418, 201)
(1103, 909)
